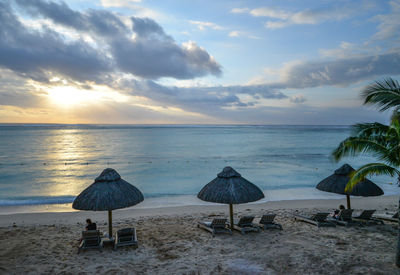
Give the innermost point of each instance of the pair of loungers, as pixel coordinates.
(345, 217)
(91, 239)
(243, 225)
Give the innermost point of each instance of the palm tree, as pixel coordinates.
(379, 140)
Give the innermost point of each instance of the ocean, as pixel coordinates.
(43, 167)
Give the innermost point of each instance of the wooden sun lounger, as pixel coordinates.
(387, 217)
(319, 219)
(345, 218)
(90, 240)
(245, 224)
(215, 226)
(267, 222)
(126, 237)
(366, 218)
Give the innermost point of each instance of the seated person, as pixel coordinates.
(335, 213)
(90, 225)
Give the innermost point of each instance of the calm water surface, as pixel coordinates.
(42, 164)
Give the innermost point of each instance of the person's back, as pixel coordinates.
(90, 225)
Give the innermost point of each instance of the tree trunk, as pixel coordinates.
(398, 238)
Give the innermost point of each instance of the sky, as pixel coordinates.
(195, 62)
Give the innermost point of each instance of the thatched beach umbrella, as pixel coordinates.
(337, 182)
(231, 188)
(107, 193)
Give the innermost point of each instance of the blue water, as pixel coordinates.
(51, 164)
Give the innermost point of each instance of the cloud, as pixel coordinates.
(132, 6)
(119, 3)
(271, 12)
(304, 115)
(389, 24)
(16, 91)
(234, 33)
(240, 10)
(153, 54)
(242, 34)
(39, 54)
(142, 49)
(345, 48)
(298, 99)
(283, 18)
(206, 25)
(340, 72)
(204, 100)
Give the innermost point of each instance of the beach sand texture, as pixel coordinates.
(170, 242)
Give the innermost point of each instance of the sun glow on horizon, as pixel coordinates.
(70, 96)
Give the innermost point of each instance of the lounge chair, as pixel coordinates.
(366, 218)
(216, 226)
(344, 218)
(267, 221)
(319, 219)
(388, 217)
(125, 237)
(90, 240)
(245, 224)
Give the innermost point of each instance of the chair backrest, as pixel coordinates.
(366, 214)
(319, 217)
(126, 232)
(91, 237)
(90, 234)
(267, 218)
(345, 214)
(246, 221)
(126, 235)
(218, 223)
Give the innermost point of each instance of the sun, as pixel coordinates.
(68, 96)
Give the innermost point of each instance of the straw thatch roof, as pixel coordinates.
(108, 192)
(337, 182)
(231, 188)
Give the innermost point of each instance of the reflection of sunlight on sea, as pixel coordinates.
(48, 163)
(65, 151)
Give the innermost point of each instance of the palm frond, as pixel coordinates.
(368, 129)
(395, 117)
(385, 94)
(353, 146)
(370, 170)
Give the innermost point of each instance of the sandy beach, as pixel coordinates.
(170, 242)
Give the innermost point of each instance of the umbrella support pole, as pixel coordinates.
(348, 201)
(110, 224)
(231, 215)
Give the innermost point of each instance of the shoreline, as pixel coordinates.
(272, 195)
(381, 204)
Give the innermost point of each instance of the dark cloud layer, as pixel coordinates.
(151, 54)
(199, 99)
(35, 54)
